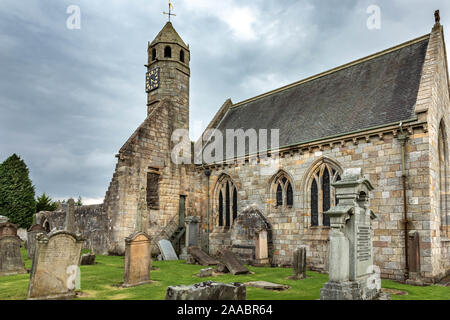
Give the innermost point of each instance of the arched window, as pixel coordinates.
(322, 196)
(153, 54)
(282, 190)
(443, 183)
(167, 52)
(226, 197)
(181, 55)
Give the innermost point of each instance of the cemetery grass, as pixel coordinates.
(101, 282)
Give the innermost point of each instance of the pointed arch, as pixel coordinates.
(182, 55)
(225, 201)
(318, 191)
(281, 189)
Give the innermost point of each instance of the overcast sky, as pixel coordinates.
(70, 98)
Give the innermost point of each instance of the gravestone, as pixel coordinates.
(31, 239)
(138, 255)
(56, 263)
(299, 263)
(167, 250)
(10, 257)
(3, 219)
(201, 257)
(191, 235)
(208, 290)
(232, 262)
(267, 285)
(261, 250)
(352, 274)
(221, 268)
(204, 273)
(55, 270)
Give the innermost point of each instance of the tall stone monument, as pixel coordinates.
(10, 257)
(192, 233)
(352, 273)
(56, 261)
(138, 258)
(31, 239)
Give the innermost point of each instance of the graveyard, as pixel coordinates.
(102, 282)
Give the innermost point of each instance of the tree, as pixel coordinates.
(45, 203)
(79, 201)
(16, 192)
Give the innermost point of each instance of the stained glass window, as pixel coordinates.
(279, 195)
(326, 199)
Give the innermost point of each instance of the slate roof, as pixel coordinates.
(375, 91)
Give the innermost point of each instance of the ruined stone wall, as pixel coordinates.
(379, 154)
(91, 221)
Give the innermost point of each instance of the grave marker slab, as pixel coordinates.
(138, 259)
(201, 257)
(232, 262)
(208, 290)
(10, 257)
(299, 263)
(55, 266)
(88, 259)
(31, 239)
(167, 250)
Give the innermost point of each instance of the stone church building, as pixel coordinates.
(387, 113)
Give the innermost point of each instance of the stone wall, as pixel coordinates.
(378, 153)
(91, 221)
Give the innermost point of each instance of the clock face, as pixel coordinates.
(152, 80)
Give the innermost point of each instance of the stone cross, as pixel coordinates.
(70, 216)
(142, 213)
(351, 274)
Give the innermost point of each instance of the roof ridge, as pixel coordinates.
(336, 69)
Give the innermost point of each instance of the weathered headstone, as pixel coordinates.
(352, 274)
(204, 273)
(167, 250)
(232, 262)
(88, 259)
(201, 257)
(192, 233)
(31, 239)
(138, 259)
(3, 219)
(10, 257)
(190, 260)
(55, 270)
(208, 290)
(138, 255)
(299, 263)
(261, 249)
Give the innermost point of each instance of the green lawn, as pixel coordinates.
(100, 282)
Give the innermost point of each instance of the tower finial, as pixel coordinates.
(170, 10)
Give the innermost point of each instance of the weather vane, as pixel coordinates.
(170, 10)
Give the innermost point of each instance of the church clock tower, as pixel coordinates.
(168, 75)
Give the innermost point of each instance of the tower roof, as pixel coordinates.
(168, 34)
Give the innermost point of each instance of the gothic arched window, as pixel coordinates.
(168, 52)
(443, 182)
(181, 55)
(321, 194)
(282, 190)
(226, 195)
